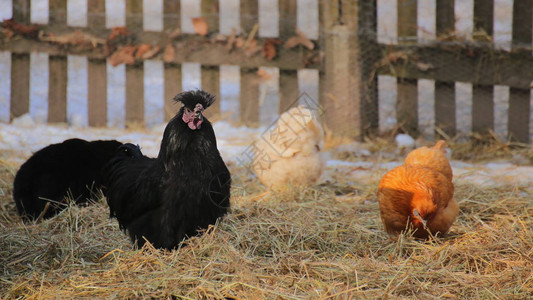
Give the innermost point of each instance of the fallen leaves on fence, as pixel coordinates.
(21, 29)
(169, 54)
(118, 31)
(270, 48)
(299, 39)
(200, 25)
(124, 55)
(76, 38)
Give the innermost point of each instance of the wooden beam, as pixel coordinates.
(20, 67)
(97, 92)
(135, 95)
(171, 15)
(210, 12)
(57, 89)
(287, 17)
(20, 85)
(445, 118)
(249, 14)
(445, 108)
(477, 64)
(210, 77)
(288, 90)
(483, 95)
(249, 97)
(96, 70)
(519, 99)
(173, 86)
(189, 48)
(407, 97)
(57, 11)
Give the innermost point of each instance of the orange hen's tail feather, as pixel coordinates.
(440, 145)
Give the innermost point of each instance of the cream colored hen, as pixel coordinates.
(289, 153)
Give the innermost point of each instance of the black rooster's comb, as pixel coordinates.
(191, 98)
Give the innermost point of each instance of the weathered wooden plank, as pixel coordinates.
(482, 109)
(249, 14)
(445, 119)
(287, 17)
(249, 83)
(407, 106)
(188, 49)
(210, 12)
(57, 89)
(57, 11)
(20, 84)
(135, 95)
(97, 92)
(21, 11)
(288, 79)
(20, 67)
(210, 77)
(484, 17)
(249, 97)
(171, 15)
(445, 108)
(288, 89)
(96, 70)
(96, 14)
(479, 64)
(173, 86)
(519, 99)
(347, 86)
(407, 97)
(483, 95)
(134, 15)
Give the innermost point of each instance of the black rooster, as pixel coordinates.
(72, 169)
(186, 188)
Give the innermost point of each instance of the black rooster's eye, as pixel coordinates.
(187, 110)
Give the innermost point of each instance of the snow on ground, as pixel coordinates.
(25, 137)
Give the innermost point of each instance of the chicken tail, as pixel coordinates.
(441, 145)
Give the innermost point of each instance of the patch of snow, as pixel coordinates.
(404, 141)
(24, 121)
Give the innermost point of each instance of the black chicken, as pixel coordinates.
(186, 188)
(71, 169)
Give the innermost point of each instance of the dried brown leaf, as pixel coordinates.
(25, 30)
(124, 55)
(270, 48)
(119, 31)
(169, 55)
(175, 33)
(200, 25)
(231, 39)
(252, 48)
(153, 52)
(141, 50)
(299, 39)
(424, 66)
(264, 75)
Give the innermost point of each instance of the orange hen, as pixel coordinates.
(419, 193)
(431, 157)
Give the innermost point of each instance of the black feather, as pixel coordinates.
(71, 168)
(169, 198)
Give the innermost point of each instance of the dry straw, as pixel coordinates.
(325, 242)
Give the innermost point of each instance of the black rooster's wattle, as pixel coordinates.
(186, 188)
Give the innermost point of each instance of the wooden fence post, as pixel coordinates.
(249, 83)
(445, 118)
(407, 98)
(288, 79)
(173, 84)
(20, 67)
(210, 75)
(96, 70)
(519, 99)
(58, 77)
(483, 95)
(135, 72)
(348, 88)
